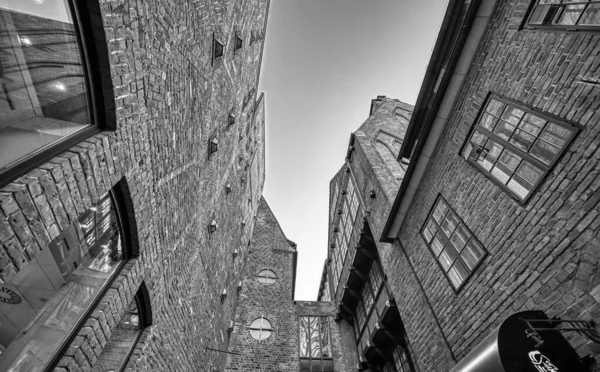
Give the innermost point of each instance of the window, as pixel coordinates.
(516, 147)
(266, 277)
(125, 336)
(50, 296)
(566, 14)
(315, 344)
(44, 100)
(455, 248)
(261, 329)
(400, 363)
(346, 224)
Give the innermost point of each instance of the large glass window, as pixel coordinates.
(515, 146)
(453, 245)
(43, 91)
(566, 14)
(124, 337)
(42, 304)
(346, 224)
(315, 344)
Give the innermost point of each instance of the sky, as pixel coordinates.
(323, 62)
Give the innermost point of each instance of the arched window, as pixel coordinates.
(125, 335)
(266, 277)
(261, 329)
(43, 304)
(46, 103)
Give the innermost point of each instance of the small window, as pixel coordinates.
(565, 14)
(266, 277)
(315, 344)
(261, 329)
(44, 97)
(515, 146)
(453, 245)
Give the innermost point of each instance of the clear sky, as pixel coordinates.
(324, 61)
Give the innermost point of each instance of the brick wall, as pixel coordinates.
(543, 254)
(170, 99)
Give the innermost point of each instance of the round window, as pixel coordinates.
(266, 277)
(261, 329)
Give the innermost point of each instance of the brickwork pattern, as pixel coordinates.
(170, 99)
(542, 255)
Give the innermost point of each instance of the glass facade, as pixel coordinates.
(43, 92)
(315, 344)
(49, 296)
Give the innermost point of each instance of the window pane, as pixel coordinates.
(455, 278)
(427, 235)
(437, 245)
(539, 14)
(449, 223)
(532, 124)
(522, 139)
(324, 331)
(501, 173)
(440, 211)
(495, 107)
(445, 261)
(460, 237)
(327, 365)
(556, 134)
(304, 365)
(53, 291)
(472, 253)
(529, 173)
(488, 121)
(451, 252)
(512, 115)
(544, 151)
(44, 95)
(504, 130)
(591, 16)
(570, 14)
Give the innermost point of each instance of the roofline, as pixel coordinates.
(455, 28)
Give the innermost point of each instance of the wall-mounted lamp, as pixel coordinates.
(227, 189)
(239, 286)
(235, 253)
(230, 328)
(243, 223)
(372, 194)
(214, 145)
(231, 119)
(224, 295)
(212, 227)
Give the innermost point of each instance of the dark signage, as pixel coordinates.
(525, 342)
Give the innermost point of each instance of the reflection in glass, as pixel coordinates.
(43, 94)
(52, 292)
(122, 340)
(315, 345)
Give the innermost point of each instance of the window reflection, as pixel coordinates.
(123, 339)
(44, 301)
(315, 346)
(43, 94)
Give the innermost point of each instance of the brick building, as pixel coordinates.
(494, 218)
(131, 166)
(272, 332)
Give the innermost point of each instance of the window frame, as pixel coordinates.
(89, 33)
(435, 257)
(260, 329)
(549, 27)
(329, 340)
(124, 219)
(259, 277)
(546, 169)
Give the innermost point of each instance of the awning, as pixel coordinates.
(513, 347)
